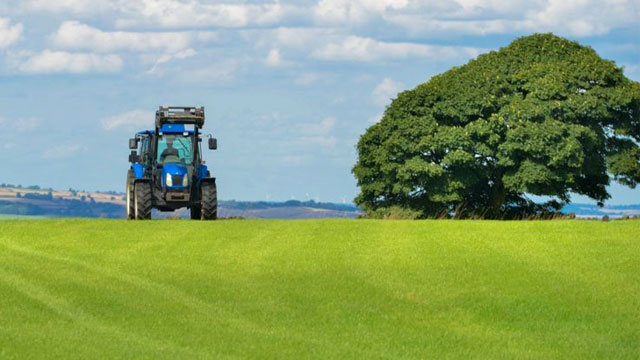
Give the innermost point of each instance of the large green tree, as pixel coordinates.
(543, 116)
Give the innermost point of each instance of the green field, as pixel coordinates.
(336, 289)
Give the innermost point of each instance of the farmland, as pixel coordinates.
(34, 201)
(72, 288)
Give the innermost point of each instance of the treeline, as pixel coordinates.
(30, 187)
(251, 205)
(53, 207)
(47, 205)
(73, 191)
(36, 196)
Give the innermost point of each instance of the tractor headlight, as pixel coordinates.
(185, 180)
(168, 180)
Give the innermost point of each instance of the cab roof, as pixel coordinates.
(169, 129)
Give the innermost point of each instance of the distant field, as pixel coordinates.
(111, 205)
(360, 289)
(16, 217)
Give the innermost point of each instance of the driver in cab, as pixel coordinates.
(170, 151)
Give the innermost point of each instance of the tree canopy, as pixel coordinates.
(543, 116)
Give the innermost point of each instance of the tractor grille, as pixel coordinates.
(177, 180)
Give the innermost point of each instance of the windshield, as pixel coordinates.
(175, 148)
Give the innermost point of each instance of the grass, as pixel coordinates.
(319, 289)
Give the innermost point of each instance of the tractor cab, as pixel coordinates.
(176, 154)
(170, 164)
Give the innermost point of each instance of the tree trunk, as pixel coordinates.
(497, 197)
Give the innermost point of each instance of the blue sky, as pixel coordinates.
(288, 86)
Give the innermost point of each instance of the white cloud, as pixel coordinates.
(386, 90)
(307, 78)
(157, 61)
(72, 35)
(292, 159)
(214, 72)
(317, 134)
(133, 119)
(20, 125)
(78, 7)
(355, 48)
(419, 17)
(481, 17)
(9, 34)
(49, 61)
(167, 13)
(494, 8)
(302, 38)
(418, 24)
(322, 128)
(61, 151)
(164, 13)
(273, 59)
(354, 11)
(26, 124)
(173, 14)
(585, 17)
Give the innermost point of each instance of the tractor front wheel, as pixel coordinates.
(142, 201)
(131, 211)
(209, 201)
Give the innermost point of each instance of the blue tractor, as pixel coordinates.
(168, 172)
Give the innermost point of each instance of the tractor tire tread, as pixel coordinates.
(129, 201)
(209, 207)
(143, 201)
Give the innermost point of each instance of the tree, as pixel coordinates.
(543, 116)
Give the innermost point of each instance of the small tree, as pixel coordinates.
(543, 116)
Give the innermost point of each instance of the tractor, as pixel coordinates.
(169, 173)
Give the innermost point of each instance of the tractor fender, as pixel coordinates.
(142, 180)
(202, 171)
(138, 170)
(208, 180)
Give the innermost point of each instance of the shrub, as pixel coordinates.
(393, 213)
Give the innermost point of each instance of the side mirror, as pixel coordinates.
(213, 143)
(133, 157)
(133, 143)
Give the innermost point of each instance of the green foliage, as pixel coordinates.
(543, 116)
(393, 213)
(319, 289)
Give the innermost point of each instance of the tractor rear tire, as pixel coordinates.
(142, 201)
(131, 210)
(209, 201)
(196, 213)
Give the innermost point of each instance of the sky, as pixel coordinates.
(288, 86)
